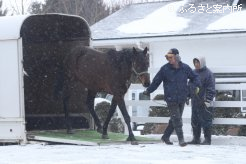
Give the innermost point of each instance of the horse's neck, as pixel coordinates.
(121, 62)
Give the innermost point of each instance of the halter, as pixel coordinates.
(138, 74)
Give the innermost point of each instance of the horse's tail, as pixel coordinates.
(81, 53)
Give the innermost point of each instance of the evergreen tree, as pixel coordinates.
(156, 111)
(230, 112)
(115, 124)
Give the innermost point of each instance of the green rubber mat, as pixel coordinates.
(84, 137)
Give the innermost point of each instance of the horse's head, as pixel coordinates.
(140, 65)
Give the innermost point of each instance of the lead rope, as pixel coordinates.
(205, 107)
(139, 74)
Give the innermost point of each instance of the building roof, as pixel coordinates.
(171, 18)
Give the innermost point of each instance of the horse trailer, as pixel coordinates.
(32, 49)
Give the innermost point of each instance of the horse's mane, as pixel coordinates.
(120, 58)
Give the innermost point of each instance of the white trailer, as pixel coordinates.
(20, 36)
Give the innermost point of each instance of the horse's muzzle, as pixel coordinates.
(146, 84)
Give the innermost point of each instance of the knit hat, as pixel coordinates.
(174, 51)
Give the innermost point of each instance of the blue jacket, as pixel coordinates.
(174, 82)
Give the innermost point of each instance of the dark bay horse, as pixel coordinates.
(110, 72)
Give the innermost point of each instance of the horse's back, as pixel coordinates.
(91, 67)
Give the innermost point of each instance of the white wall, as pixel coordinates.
(219, 52)
(9, 79)
(12, 121)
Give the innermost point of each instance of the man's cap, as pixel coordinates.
(174, 51)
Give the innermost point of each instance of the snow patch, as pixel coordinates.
(229, 22)
(221, 151)
(163, 20)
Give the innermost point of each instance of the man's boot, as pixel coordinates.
(196, 136)
(166, 140)
(168, 131)
(207, 136)
(180, 135)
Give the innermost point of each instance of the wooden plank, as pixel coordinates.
(222, 121)
(156, 119)
(230, 121)
(228, 86)
(219, 69)
(148, 103)
(227, 104)
(145, 103)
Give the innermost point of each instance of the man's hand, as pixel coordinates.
(197, 90)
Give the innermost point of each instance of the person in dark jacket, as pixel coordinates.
(202, 110)
(174, 76)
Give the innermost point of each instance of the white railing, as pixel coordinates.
(136, 88)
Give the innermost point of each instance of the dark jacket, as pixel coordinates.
(174, 82)
(207, 89)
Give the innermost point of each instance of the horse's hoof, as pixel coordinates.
(131, 139)
(134, 142)
(105, 136)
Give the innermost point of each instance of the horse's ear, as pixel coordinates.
(134, 55)
(145, 50)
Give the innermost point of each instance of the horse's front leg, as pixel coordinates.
(67, 118)
(122, 106)
(109, 116)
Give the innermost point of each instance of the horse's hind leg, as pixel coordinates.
(109, 116)
(90, 104)
(67, 119)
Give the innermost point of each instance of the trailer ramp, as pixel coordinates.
(84, 137)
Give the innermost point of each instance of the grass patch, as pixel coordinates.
(87, 135)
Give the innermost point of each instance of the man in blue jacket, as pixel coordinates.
(174, 76)
(202, 110)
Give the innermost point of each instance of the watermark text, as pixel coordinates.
(211, 9)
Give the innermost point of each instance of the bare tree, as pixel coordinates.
(3, 12)
(19, 7)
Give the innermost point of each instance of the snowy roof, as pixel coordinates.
(10, 26)
(168, 18)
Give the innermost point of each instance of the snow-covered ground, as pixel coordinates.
(225, 149)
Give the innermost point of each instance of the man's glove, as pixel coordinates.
(197, 90)
(146, 93)
(207, 104)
